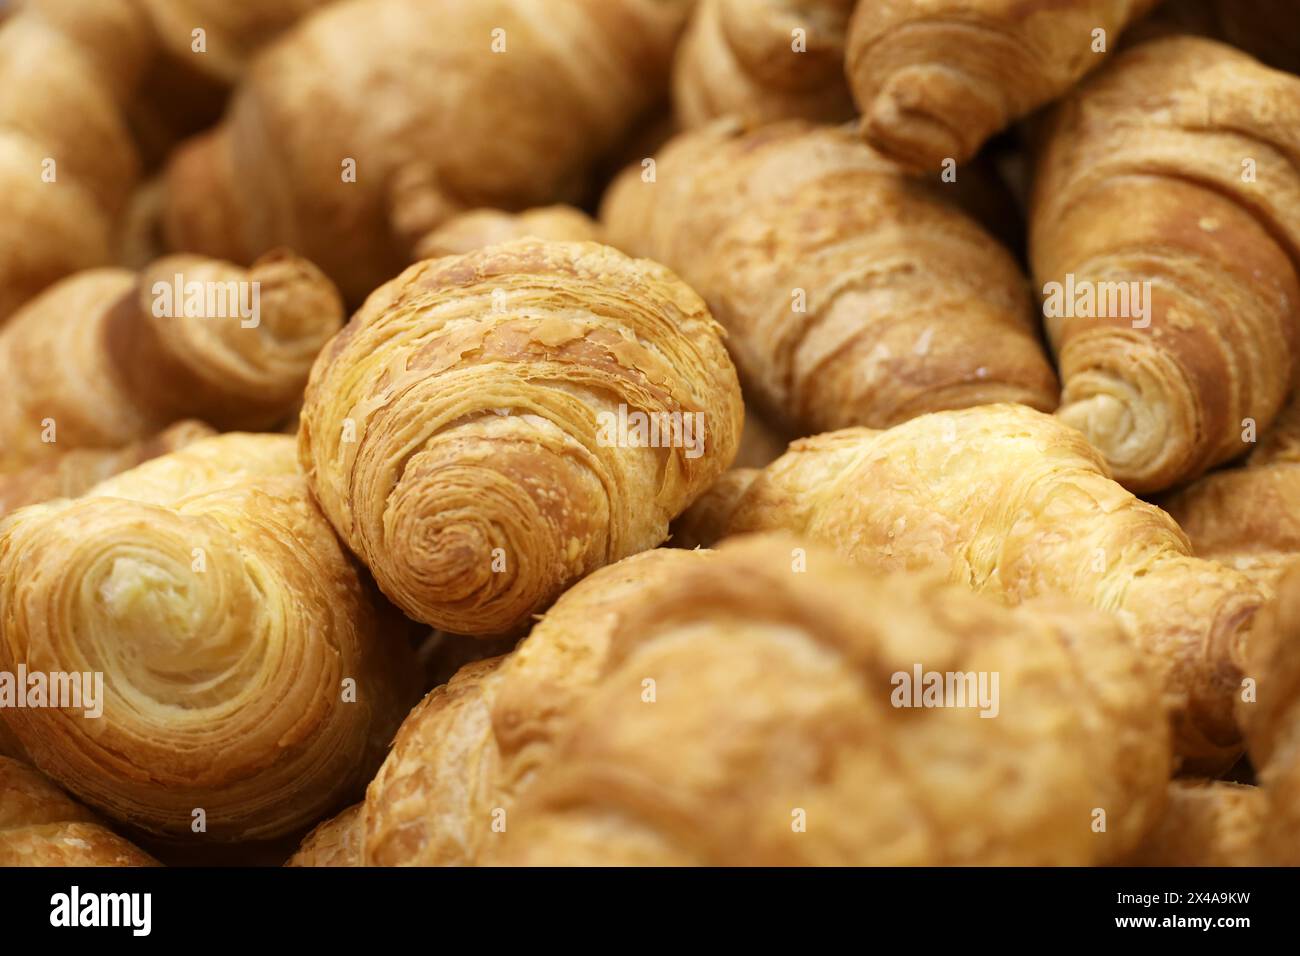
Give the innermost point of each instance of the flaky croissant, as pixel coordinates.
(1206, 823)
(763, 60)
(407, 146)
(1015, 504)
(75, 472)
(489, 227)
(934, 79)
(1169, 182)
(1249, 517)
(251, 679)
(108, 357)
(41, 826)
(466, 753)
(507, 724)
(67, 161)
(748, 708)
(335, 843)
(465, 433)
(852, 295)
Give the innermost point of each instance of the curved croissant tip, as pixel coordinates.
(300, 299)
(903, 130)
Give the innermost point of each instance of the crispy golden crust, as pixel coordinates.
(740, 58)
(461, 432)
(92, 363)
(934, 79)
(1176, 167)
(852, 295)
(248, 670)
(41, 826)
(489, 227)
(470, 749)
(480, 130)
(75, 472)
(336, 842)
(1013, 503)
(1206, 823)
(744, 714)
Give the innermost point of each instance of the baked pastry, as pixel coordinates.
(41, 826)
(1249, 517)
(747, 711)
(473, 432)
(1166, 225)
(465, 754)
(406, 146)
(251, 679)
(336, 842)
(108, 357)
(852, 295)
(75, 472)
(489, 227)
(1014, 503)
(934, 79)
(763, 60)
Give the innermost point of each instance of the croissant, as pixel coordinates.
(67, 161)
(1168, 199)
(1249, 517)
(1206, 823)
(250, 679)
(495, 722)
(505, 723)
(763, 60)
(75, 472)
(853, 296)
(407, 146)
(1270, 719)
(1014, 503)
(491, 427)
(745, 713)
(489, 227)
(335, 843)
(41, 826)
(108, 357)
(934, 79)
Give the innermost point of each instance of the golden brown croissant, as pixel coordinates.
(853, 296)
(67, 161)
(471, 746)
(336, 842)
(934, 79)
(1168, 199)
(75, 472)
(748, 709)
(41, 826)
(491, 427)
(108, 357)
(1206, 823)
(763, 60)
(489, 227)
(1270, 719)
(407, 146)
(250, 677)
(1015, 504)
(464, 762)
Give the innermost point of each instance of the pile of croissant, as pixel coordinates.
(382, 590)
